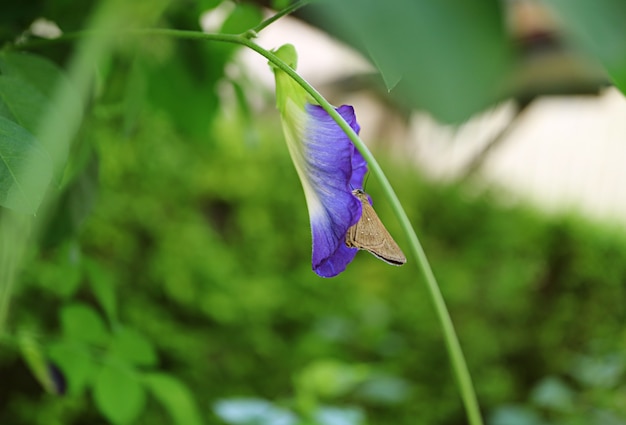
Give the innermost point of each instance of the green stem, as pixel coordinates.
(453, 346)
(286, 11)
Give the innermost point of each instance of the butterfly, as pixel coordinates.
(370, 234)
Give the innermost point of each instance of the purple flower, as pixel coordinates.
(329, 167)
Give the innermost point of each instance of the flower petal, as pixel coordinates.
(329, 167)
(333, 167)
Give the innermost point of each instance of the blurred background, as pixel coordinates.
(170, 279)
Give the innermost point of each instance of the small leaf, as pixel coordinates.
(339, 416)
(34, 357)
(553, 393)
(251, 411)
(103, 287)
(175, 397)
(81, 322)
(25, 168)
(76, 362)
(118, 394)
(130, 345)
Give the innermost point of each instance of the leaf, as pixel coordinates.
(35, 359)
(453, 56)
(131, 346)
(81, 322)
(244, 17)
(339, 416)
(599, 28)
(175, 397)
(25, 168)
(103, 287)
(27, 85)
(251, 411)
(76, 363)
(118, 394)
(25, 104)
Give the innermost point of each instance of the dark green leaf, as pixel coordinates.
(175, 397)
(118, 394)
(452, 56)
(25, 104)
(599, 27)
(25, 168)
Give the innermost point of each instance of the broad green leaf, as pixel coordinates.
(175, 397)
(25, 104)
(76, 362)
(27, 85)
(25, 168)
(82, 323)
(453, 56)
(36, 70)
(118, 394)
(599, 27)
(331, 378)
(130, 345)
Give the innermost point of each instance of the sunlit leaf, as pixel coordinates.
(82, 323)
(25, 168)
(133, 347)
(118, 394)
(76, 362)
(175, 397)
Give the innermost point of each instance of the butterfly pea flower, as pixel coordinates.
(328, 165)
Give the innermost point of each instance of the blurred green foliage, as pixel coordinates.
(205, 246)
(171, 282)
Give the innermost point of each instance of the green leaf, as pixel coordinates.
(118, 394)
(599, 27)
(76, 362)
(252, 411)
(244, 17)
(25, 104)
(175, 397)
(27, 85)
(453, 56)
(82, 323)
(35, 359)
(103, 287)
(130, 345)
(25, 168)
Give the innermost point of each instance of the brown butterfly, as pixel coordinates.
(370, 234)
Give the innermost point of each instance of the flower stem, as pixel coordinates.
(457, 359)
(286, 11)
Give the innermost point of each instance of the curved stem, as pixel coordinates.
(286, 11)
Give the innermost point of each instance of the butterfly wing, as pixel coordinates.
(370, 234)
